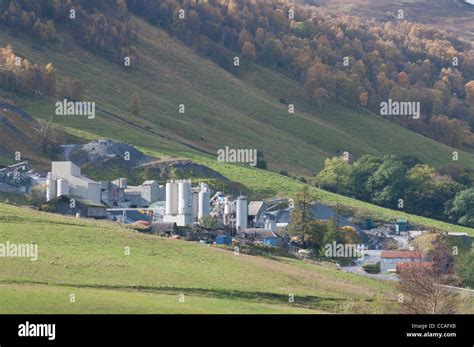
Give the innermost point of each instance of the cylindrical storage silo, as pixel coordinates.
(171, 198)
(204, 201)
(241, 213)
(63, 187)
(50, 187)
(174, 197)
(168, 198)
(184, 203)
(194, 205)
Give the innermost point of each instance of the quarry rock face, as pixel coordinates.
(165, 167)
(98, 151)
(118, 154)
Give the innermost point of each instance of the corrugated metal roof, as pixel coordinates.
(132, 215)
(258, 232)
(255, 207)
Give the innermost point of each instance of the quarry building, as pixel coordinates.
(184, 204)
(65, 179)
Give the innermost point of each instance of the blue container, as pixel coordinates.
(270, 241)
(223, 240)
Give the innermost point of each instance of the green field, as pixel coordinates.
(53, 299)
(87, 258)
(248, 109)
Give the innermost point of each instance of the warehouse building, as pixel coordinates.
(65, 179)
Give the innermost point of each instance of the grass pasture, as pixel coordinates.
(87, 258)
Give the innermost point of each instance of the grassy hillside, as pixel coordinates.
(17, 137)
(87, 258)
(243, 110)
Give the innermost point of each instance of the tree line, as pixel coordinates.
(404, 183)
(21, 76)
(100, 26)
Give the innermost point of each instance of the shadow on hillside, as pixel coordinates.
(324, 303)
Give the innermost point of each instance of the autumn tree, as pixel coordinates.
(50, 135)
(72, 89)
(50, 79)
(315, 76)
(423, 283)
(56, 139)
(403, 79)
(321, 95)
(424, 291)
(248, 52)
(470, 93)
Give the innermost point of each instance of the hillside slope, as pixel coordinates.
(246, 110)
(88, 259)
(452, 15)
(19, 135)
(16, 137)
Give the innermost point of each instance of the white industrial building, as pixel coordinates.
(145, 194)
(185, 204)
(65, 179)
(233, 213)
(119, 194)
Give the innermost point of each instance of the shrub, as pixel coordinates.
(372, 268)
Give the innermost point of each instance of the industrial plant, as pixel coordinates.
(179, 207)
(184, 204)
